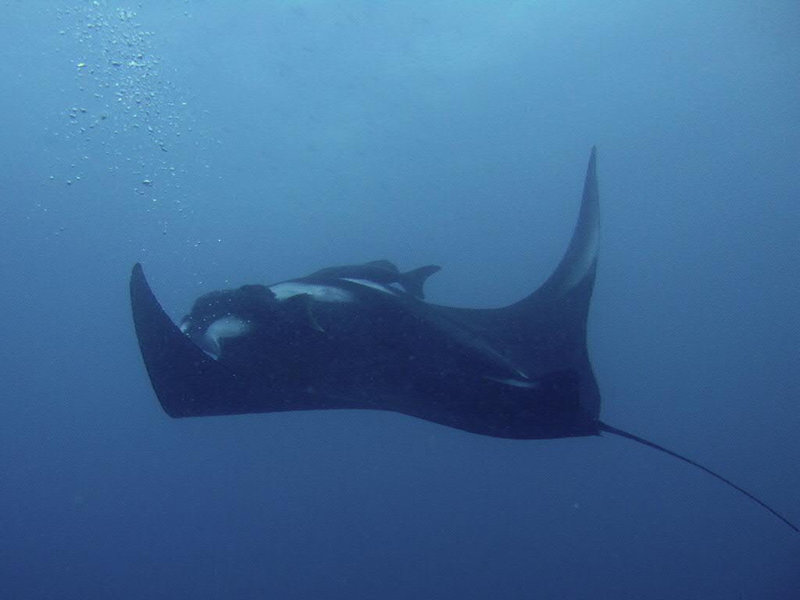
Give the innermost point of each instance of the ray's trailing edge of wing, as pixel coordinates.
(640, 440)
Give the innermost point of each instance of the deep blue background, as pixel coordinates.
(230, 143)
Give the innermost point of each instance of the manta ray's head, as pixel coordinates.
(221, 316)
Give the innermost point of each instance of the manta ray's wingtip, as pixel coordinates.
(579, 260)
(591, 170)
(138, 278)
(591, 167)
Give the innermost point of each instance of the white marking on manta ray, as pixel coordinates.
(321, 293)
(226, 327)
(580, 266)
(515, 382)
(586, 260)
(371, 284)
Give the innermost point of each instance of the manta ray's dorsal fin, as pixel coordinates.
(382, 273)
(621, 433)
(414, 280)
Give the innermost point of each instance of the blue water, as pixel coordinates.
(231, 143)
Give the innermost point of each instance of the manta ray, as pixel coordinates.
(363, 337)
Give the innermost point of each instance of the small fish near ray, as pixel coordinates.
(362, 337)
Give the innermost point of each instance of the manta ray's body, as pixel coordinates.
(360, 336)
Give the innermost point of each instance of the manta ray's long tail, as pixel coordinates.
(613, 430)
